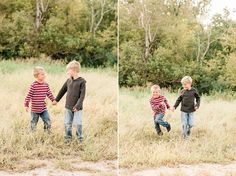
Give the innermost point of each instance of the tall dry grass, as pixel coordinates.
(18, 144)
(212, 139)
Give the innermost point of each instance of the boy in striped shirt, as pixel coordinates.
(37, 94)
(159, 104)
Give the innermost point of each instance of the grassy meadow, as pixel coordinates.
(20, 149)
(212, 139)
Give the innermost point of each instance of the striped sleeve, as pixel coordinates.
(49, 94)
(167, 104)
(29, 95)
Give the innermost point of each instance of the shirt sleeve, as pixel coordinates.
(166, 103)
(50, 95)
(29, 95)
(79, 104)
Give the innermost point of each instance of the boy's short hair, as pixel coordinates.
(155, 87)
(37, 70)
(187, 79)
(75, 65)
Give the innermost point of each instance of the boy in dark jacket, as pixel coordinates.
(190, 102)
(75, 87)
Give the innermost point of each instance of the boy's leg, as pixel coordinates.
(78, 124)
(184, 121)
(159, 119)
(46, 120)
(157, 127)
(190, 122)
(34, 120)
(68, 123)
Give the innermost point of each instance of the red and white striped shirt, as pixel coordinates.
(37, 95)
(159, 105)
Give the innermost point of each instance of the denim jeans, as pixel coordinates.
(157, 126)
(159, 119)
(44, 116)
(76, 118)
(187, 122)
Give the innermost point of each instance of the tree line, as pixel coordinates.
(163, 40)
(84, 30)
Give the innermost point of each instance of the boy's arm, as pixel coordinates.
(50, 95)
(29, 96)
(178, 101)
(79, 103)
(62, 92)
(167, 104)
(198, 99)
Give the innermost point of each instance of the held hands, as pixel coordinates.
(54, 102)
(172, 109)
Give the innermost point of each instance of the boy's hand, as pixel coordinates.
(172, 109)
(74, 109)
(27, 109)
(196, 108)
(54, 102)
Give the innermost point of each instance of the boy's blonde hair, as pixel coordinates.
(37, 70)
(155, 87)
(75, 65)
(187, 79)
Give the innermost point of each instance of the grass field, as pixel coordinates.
(212, 139)
(20, 149)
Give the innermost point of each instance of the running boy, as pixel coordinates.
(37, 94)
(75, 87)
(159, 104)
(190, 102)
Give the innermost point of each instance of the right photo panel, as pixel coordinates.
(177, 78)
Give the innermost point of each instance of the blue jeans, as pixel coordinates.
(75, 117)
(159, 119)
(44, 116)
(187, 122)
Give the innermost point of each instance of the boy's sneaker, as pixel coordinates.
(168, 128)
(188, 132)
(160, 133)
(68, 141)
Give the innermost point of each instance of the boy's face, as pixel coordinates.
(155, 93)
(186, 85)
(41, 76)
(71, 72)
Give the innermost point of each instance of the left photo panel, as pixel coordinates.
(58, 90)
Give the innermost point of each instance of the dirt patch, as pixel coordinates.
(105, 168)
(187, 170)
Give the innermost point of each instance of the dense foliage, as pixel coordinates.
(77, 29)
(161, 41)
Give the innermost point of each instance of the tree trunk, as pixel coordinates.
(37, 19)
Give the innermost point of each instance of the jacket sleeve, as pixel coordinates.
(79, 104)
(62, 92)
(29, 96)
(178, 101)
(198, 99)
